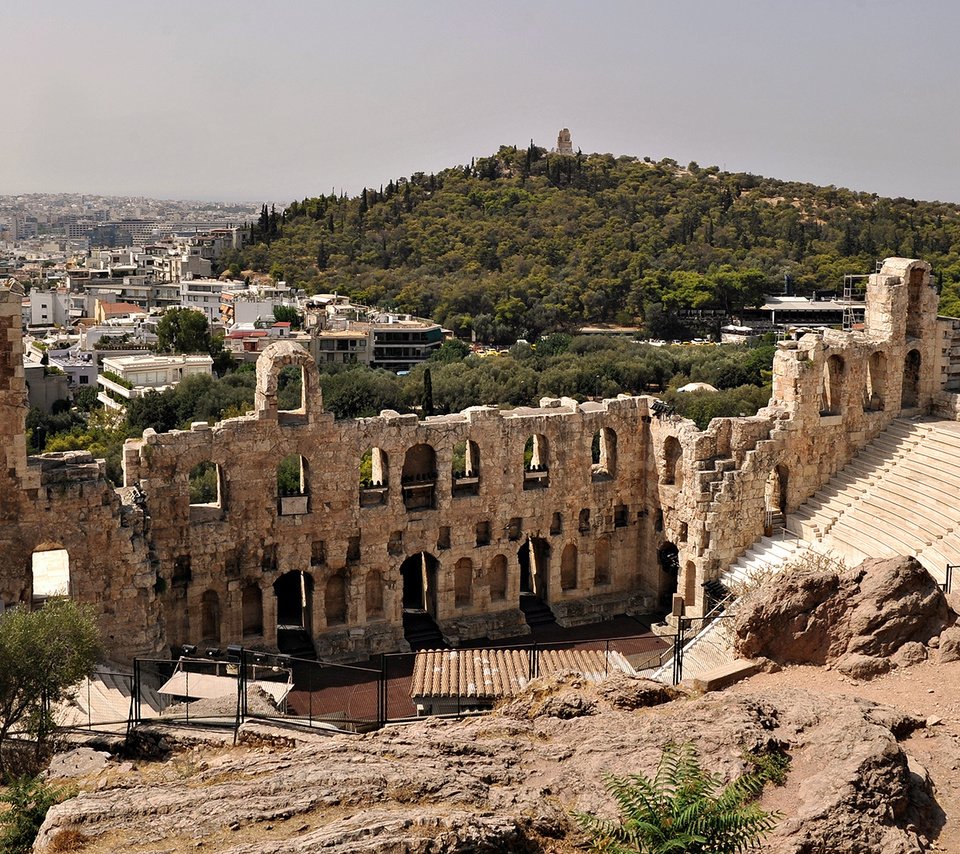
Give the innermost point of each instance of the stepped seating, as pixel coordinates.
(894, 498)
(103, 702)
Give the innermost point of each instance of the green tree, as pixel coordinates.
(287, 314)
(681, 810)
(42, 654)
(183, 330)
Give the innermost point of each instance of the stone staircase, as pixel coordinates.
(765, 557)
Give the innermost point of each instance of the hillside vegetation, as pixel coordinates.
(525, 242)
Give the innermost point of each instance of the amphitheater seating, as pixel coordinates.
(895, 497)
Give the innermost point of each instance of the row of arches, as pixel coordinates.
(874, 388)
(295, 590)
(418, 477)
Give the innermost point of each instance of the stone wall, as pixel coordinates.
(665, 508)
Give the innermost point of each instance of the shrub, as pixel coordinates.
(27, 800)
(681, 809)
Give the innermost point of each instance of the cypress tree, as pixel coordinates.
(427, 392)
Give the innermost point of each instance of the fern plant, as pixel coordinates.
(683, 809)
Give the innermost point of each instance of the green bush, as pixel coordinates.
(27, 800)
(681, 809)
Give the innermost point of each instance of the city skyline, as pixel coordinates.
(234, 102)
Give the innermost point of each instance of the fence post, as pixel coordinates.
(678, 652)
(136, 691)
(382, 693)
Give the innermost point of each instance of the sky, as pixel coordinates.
(282, 99)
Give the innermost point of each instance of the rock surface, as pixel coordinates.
(816, 616)
(507, 781)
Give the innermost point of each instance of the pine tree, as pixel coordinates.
(427, 392)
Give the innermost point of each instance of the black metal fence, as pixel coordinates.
(249, 685)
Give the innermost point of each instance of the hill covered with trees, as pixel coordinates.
(526, 242)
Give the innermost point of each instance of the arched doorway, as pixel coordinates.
(775, 496)
(534, 558)
(419, 575)
(910, 396)
(294, 591)
(668, 556)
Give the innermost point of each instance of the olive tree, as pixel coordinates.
(42, 654)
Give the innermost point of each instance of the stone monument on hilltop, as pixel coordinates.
(564, 143)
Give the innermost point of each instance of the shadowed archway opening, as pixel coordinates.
(668, 557)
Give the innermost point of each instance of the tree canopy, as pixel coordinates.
(183, 330)
(42, 654)
(526, 242)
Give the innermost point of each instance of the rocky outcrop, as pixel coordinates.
(854, 618)
(507, 781)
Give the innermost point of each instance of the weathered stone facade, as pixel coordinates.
(592, 506)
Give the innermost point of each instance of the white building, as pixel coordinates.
(126, 377)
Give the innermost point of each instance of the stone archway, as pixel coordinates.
(270, 363)
(419, 576)
(294, 592)
(668, 558)
(534, 559)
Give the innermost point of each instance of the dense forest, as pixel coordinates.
(526, 242)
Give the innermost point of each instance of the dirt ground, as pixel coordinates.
(928, 690)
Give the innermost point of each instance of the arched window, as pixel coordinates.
(498, 579)
(536, 469)
(463, 582)
(672, 461)
(210, 617)
(568, 567)
(466, 468)
(873, 392)
(335, 600)
(419, 478)
(50, 565)
(604, 454)
(374, 477)
(252, 602)
(910, 396)
(831, 399)
(205, 486)
(373, 589)
(292, 497)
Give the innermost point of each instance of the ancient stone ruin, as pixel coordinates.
(594, 508)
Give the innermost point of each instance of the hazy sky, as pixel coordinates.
(278, 99)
